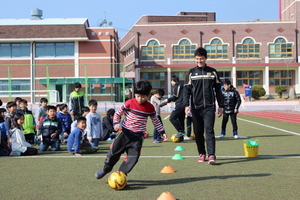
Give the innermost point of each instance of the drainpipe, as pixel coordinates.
(233, 43)
(296, 43)
(32, 71)
(201, 34)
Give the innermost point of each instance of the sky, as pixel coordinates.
(125, 13)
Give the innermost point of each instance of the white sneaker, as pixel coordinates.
(236, 136)
(222, 136)
(186, 138)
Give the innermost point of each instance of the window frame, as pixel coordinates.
(53, 49)
(246, 79)
(214, 45)
(15, 50)
(275, 49)
(184, 50)
(248, 49)
(153, 51)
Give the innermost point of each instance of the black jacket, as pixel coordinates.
(47, 127)
(107, 125)
(202, 86)
(232, 100)
(177, 95)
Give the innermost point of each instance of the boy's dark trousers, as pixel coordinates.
(124, 142)
(233, 121)
(204, 118)
(29, 137)
(177, 118)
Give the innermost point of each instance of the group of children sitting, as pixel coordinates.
(51, 126)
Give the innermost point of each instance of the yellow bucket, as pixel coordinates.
(251, 148)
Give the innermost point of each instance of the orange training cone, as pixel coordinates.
(166, 196)
(167, 170)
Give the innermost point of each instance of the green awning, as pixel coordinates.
(82, 80)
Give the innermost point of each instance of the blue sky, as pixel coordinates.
(124, 13)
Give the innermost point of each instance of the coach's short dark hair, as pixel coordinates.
(201, 52)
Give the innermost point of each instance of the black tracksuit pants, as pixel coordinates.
(189, 121)
(204, 119)
(177, 118)
(124, 142)
(233, 121)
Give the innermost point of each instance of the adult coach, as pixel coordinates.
(202, 86)
(76, 100)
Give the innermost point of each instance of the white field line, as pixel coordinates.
(77, 157)
(272, 127)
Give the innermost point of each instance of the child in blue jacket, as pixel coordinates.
(66, 121)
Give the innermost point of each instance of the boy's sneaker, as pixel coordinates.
(202, 158)
(186, 138)
(100, 174)
(156, 141)
(222, 136)
(180, 134)
(236, 136)
(211, 160)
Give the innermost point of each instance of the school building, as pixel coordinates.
(41, 56)
(246, 52)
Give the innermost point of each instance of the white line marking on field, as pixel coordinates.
(279, 129)
(76, 157)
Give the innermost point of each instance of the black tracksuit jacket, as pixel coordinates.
(232, 100)
(203, 85)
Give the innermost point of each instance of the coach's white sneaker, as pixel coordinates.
(236, 136)
(221, 136)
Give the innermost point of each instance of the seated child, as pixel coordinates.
(19, 144)
(4, 149)
(29, 125)
(49, 131)
(75, 139)
(107, 124)
(66, 121)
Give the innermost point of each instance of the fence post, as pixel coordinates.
(9, 83)
(48, 82)
(86, 85)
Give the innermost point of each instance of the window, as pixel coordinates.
(181, 76)
(248, 77)
(16, 85)
(157, 79)
(224, 75)
(217, 50)
(50, 49)
(153, 51)
(14, 50)
(281, 49)
(283, 77)
(184, 50)
(248, 49)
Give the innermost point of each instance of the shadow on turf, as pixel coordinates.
(142, 184)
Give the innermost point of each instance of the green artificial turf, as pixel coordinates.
(272, 175)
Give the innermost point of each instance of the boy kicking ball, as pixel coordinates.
(130, 139)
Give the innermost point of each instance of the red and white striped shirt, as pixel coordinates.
(136, 116)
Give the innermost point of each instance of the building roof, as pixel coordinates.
(51, 21)
(43, 29)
